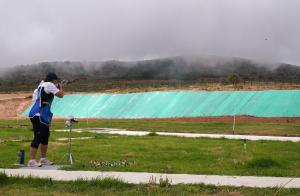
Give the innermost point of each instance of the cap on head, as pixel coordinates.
(51, 76)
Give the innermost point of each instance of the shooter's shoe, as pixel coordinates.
(45, 161)
(34, 163)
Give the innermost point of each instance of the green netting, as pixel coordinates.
(274, 103)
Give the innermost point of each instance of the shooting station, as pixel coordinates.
(166, 98)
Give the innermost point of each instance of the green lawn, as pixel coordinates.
(31, 186)
(254, 128)
(171, 155)
(154, 154)
(162, 153)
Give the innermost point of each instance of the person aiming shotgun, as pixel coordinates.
(41, 116)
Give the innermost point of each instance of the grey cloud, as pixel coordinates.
(50, 30)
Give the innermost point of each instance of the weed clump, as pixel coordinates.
(3, 179)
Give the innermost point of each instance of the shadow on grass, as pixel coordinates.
(262, 163)
(152, 134)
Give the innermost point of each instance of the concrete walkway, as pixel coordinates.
(140, 177)
(191, 135)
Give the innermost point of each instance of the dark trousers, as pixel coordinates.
(41, 132)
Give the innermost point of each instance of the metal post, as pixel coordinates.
(69, 124)
(70, 147)
(233, 126)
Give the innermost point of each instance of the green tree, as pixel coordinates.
(233, 79)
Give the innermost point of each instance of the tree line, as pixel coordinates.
(177, 68)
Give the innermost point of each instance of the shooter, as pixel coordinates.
(41, 116)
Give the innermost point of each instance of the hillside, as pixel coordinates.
(176, 72)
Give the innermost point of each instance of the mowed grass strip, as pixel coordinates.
(245, 128)
(165, 154)
(35, 186)
(249, 128)
(26, 134)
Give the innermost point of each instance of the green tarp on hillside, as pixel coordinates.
(274, 103)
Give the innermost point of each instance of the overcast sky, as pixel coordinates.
(89, 30)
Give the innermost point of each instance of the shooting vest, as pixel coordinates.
(42, 106)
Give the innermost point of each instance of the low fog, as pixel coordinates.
(34, 31)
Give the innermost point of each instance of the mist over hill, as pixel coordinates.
(202, 69)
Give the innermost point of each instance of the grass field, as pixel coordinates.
(32, 186)
(154, 154)
(161, 153)
(172, 155)
(250, 128)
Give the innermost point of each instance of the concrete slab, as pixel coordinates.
(190, 135)
(141, 177)
(74, 138)
(44, 167)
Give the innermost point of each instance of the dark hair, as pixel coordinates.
(51, 76)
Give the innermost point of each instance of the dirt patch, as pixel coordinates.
(204, 119)
(11, 105)
(14, 96)
(237, 118)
